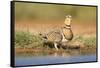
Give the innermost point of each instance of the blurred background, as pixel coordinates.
(39, 17)
(53, 12)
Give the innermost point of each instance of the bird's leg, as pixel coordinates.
(55, 45)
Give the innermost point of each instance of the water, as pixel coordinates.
(40, 60)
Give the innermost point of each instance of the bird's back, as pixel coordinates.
(54, 36)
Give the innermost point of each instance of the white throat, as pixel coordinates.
(67, 21)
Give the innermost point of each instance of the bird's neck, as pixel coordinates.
(67, 26)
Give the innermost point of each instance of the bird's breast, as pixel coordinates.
(68, 34)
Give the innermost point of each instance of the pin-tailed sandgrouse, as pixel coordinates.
(64, 34)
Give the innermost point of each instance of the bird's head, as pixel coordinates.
(68, 20)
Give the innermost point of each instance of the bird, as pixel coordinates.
(67, 33)
(64, 34)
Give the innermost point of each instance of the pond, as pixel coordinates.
(51, 59)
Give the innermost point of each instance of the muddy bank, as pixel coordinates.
(60, 52)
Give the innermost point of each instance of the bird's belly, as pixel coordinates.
(64, 40)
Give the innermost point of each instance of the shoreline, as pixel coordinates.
(60, 52)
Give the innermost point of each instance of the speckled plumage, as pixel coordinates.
(54, 36)
(63, 34)
(67, 32)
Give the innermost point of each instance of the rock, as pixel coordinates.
(73, 45)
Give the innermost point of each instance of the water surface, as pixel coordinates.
(40, 60)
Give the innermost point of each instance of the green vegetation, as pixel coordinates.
(90, 41)
(28, 40)
(87, 41)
